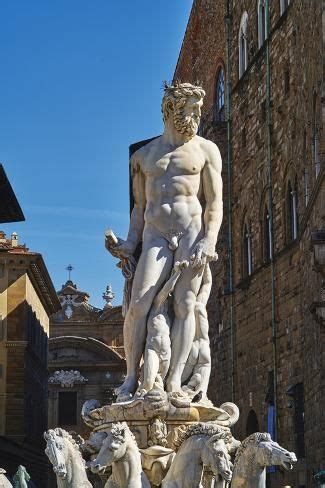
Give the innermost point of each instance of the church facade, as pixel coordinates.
(86, 357)
(261, 64)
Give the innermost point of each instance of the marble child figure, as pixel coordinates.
(171, 176)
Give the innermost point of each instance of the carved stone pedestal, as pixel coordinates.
(157, 423)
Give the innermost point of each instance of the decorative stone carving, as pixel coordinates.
(65, 456)
(120, 451)
(108, 296)
(255, 453)
(157, 433)
(67, 379)
(197, 445)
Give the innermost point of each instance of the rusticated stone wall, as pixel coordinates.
(296, 353)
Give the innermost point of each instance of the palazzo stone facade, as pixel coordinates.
(27, 299)
(264, 108)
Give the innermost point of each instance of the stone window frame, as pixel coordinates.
(291, 208)
(267, 234)
(247, 248)
(284, 4)
(219, 112)
(261, 22)
(243, 45)
(265, 228)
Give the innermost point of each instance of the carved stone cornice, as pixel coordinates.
(67, 379)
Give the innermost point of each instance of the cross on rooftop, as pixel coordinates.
(69, 268)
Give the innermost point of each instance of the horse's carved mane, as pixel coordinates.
(117, 432)
(65, 435)
(251, 440)
(209, 429)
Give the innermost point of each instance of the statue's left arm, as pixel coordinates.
(212, 188)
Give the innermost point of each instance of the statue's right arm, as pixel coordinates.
(137, 214)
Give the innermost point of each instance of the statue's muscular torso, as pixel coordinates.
(173, 184)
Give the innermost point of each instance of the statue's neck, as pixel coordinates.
(76, 475)
(249, 472)
(191, 472)
(172, 136)
(126, 471)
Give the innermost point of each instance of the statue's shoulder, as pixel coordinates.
(211, 151)
(140, 155)
(207, 144)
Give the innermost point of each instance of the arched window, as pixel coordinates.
(252, 423)
(292, 214)
(283, 6)
(242, 45)
(267, 241)
(220, 96)
(315, 141)
(261, 19)
(247, 251)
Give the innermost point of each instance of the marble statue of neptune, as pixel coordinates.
(177, 214)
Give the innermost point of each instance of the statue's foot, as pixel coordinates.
(140, 393)
(126, 391)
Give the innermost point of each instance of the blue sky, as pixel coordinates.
(80, 81)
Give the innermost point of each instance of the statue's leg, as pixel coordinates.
(152, 270)
(184, 326)
(151, 368)
(203, 366)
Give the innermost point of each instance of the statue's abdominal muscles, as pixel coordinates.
(172, 198)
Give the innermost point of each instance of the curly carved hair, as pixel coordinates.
(176, 95)
(252, 440)
(65, 435)
(185, 432)
(118, 431)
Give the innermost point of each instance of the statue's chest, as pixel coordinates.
(174, 164)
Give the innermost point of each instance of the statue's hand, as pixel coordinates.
(118, 247)
(204, 252)
(124, 249)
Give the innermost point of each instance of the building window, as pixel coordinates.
(247, 252)
(68, 401)
(267, 239)
(284, 5)
(261, 19)
(220, 96)
(315, 142)
(242, 44)
(292, 214)
(296, 393)
(252, 425)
